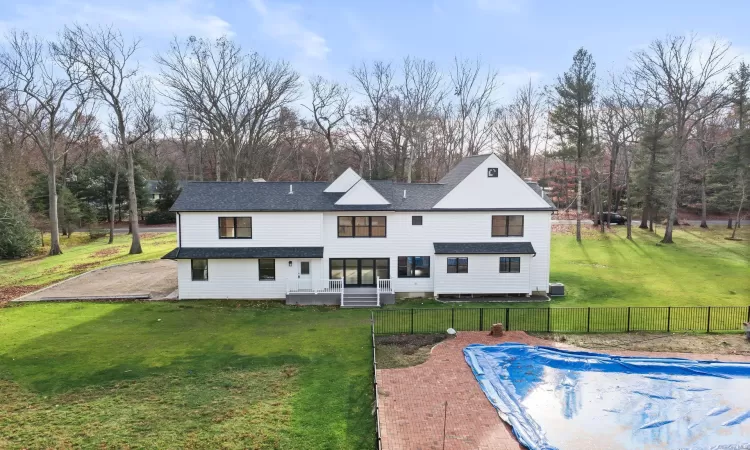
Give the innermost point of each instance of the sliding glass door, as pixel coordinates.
(359, 272)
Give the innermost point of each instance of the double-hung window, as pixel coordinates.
(361, 226)
(413, 266)
(458, 265)
(510, 264)
(235, 227)
(199, 269)
(266, 269)
(507, 226)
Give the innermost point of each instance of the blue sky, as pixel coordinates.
(521, 39)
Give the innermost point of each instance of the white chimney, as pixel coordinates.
(404, 193)
(291, 190)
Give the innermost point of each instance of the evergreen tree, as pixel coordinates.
(651, 166)
(572, 115)
(169, 189)
(17, 235)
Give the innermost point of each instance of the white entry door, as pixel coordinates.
(303, 274)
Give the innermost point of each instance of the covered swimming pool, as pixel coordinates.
(558, 399)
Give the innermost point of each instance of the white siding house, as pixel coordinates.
(481, 231)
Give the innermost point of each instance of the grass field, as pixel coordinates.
(80, 254)
(172, 375)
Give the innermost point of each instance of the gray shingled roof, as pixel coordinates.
(244, 252)
(309, 196)
(490, 248)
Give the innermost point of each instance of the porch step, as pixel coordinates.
(360, 300)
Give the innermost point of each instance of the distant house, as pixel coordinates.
(153, 189)
(353, 242)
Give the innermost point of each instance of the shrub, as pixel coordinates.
(160, 217)
(17, 236)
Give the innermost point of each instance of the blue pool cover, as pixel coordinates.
(557, 399)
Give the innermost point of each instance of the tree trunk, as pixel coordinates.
(667, 239)
(601, 209)
(61, 204)
(739, 212)
(218, 164)
(54, 246)
(135, 246)
(331, 162)
(579, 188)
(729, 224)
(114, 202)
(612, 163)
(645, 214)
(628, 214)
(704, 223)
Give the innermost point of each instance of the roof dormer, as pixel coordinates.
(362, 193)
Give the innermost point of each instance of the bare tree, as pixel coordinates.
(366, 122)
(108, 60)
(474, 93)
(235, 97)
(673, 74)
(329, 107)
(519, 128)
(46, 95)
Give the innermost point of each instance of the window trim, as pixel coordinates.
(192, 270)
(354, 227)
(408, 275)
(274, 269)
(234, 227)
(507, 225)
(302, 264)
(510, 260)
(457, 264)
(420, 218)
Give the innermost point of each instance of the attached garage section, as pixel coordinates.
(483, 268)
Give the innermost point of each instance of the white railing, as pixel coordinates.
(324, 286)
(384, 285)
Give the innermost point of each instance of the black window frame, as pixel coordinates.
(410, 267)
(235, 227)
(193, 269)
(302, 265)
(507, 225)
(260, 272)
(510, 263)
(353, 226)
(415, 219)
(456, 263)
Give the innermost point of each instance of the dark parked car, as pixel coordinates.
(615, 218)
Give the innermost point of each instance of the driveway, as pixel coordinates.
(155, 278)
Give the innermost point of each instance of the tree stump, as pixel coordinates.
(497, 329)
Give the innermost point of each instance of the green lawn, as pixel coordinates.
(184, 375)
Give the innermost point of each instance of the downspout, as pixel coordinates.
(179, 233)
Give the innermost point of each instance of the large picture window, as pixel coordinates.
(361, 226)
(458, 265)
(199, 269)
(510, 264)
(413, 266)
(507, 226)
(235, 227)
(266, 269)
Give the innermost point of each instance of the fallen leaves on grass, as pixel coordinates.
(109, 251)
(84, 267)
(8, 293)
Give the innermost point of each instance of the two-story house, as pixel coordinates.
(480, 230)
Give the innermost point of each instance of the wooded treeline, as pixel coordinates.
(668, 132)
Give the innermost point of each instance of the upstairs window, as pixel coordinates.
(510, 264)
(413, 266)
(416, 220)
(266, 269)
(199, 269)
(458, 265)
(361, 226)
(235, 227)
(503, 226)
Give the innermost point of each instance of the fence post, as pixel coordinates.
(708, 321)
(453, 318)
(548, 316)
(412, 321)
(628, 319)
(748, 313)
(669, 318)
(507, 319)
(481, 318)
(588, 320)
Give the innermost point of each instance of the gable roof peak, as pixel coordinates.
(344, 182)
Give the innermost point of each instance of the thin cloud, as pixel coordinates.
(281, 23)
(165, 18)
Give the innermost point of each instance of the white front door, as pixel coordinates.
(303, 274)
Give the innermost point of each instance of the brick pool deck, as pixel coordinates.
(413, 399)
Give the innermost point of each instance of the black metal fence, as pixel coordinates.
(701, 319)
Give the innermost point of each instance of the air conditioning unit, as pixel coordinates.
(556, 290)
